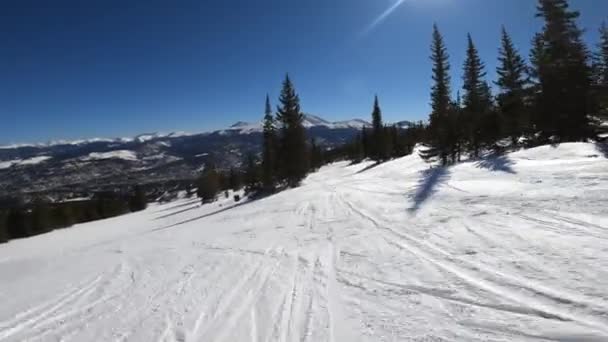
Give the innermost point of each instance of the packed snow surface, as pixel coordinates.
(513, 248)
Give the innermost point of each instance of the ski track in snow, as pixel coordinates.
(393, 253)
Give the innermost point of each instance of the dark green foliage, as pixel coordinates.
(208, 184)
(378, 144)
(365, 143)
(137, 200)
(562, 74)
(269, 150)
(110, 204)
(401, 142)
(3, 229)
(397, 146)
(293, 149)
(19, 220)
(252, 175)
(41, 218)
(316, 156)
(355, 150)
(600, 80)
(17, 223)
(512, 81)
(235, 180)
(477, 102)
(601, 58)
(440, 139)
(63, 215)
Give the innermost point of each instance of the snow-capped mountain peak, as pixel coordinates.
(310, 121)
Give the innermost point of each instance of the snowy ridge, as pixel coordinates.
(510, 248)
(241, 127)
(139, 138)
(29, 161)
(310, 121)
(121, 154)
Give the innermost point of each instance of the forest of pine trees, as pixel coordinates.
(287, 154)
(558, 97)
(19, 220)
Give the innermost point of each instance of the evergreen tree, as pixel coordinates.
(600, 76)
(511, 81)
(269, 151)
(41, 217)
(208, 184)
(293, 152)
(16, 223)
(389, 141)
(379, 143)
(476, 99)
(560, 62)
(63, 215)
(3, 228)
(234, 180)
(438, 132)
(399, 144)
(356, 153)
(316, 155)
(600, 58)
(365, 143)
(138, 201)
(252, 175)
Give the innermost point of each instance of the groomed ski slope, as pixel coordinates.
(509, 249)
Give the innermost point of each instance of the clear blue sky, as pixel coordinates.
(104, 68)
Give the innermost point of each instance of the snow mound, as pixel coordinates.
(566, 151)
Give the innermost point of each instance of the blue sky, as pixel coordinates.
(105, 68)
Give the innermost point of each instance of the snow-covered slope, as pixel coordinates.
(507, 249)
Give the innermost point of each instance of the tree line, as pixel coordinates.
(287, 155)
(19, 220)
(561, 95)
(381, 142)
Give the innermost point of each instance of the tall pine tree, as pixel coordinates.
(379, 141)
(512, 81)
(438, 137)
(560, 61)
(600, 77)
(293, 152)
(600, 58)
(269, 153)
(476, 100)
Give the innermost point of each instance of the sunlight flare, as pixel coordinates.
(383, 16)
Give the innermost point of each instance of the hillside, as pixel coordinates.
(507, 249)
(67, 168)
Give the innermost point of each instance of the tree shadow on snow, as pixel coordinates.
(496, 162)
(194, 205)
(204, 216)
(369, 167)
(427, 185)
(187, 203)
(252, 198)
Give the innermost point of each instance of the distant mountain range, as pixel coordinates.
(83, 165)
